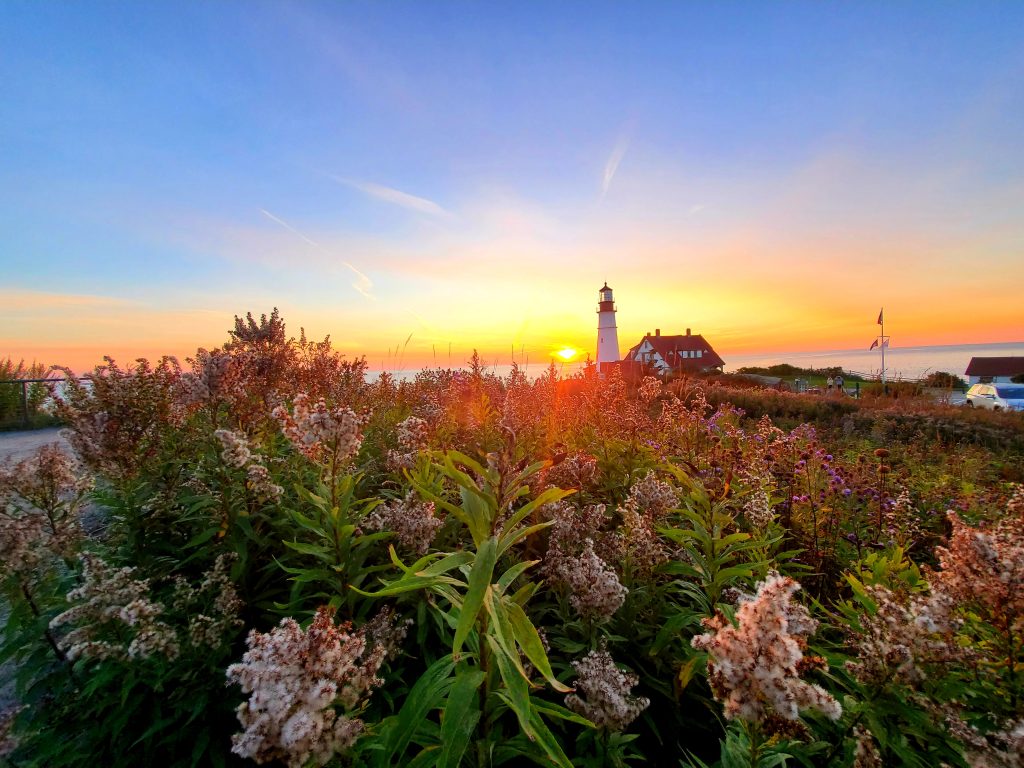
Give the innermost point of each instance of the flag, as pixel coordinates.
(885, 343)
(880, 316)
(873, 345)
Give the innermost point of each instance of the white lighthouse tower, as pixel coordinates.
(607, 331)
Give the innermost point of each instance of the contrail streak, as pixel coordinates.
(363, 284)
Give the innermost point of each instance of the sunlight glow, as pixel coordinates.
(567, 353)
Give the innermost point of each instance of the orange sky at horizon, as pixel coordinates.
(79, 331)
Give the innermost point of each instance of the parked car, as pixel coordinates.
(997, 397)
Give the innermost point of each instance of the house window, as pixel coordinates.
(700, 353)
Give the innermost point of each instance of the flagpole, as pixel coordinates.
(881, 321)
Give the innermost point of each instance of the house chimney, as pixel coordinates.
(657, 331)
(648, 333)
(687, 331)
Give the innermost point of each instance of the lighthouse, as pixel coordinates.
(607, 331)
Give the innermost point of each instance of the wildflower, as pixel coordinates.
(412, 438)
(206, 382)
(295, 678)
(238, 454)
(118, 419)
(578, 470)
(650, 388)
(317, 430)
(901, 638)
(754, 667)
(260, 483)
(639, 545)
(595, 591)
(235, 447)
(865, 751)
(112, 603)
(412, 434)
(212, 608)
(985, 570)
(653, 497)
(39, 499)
(608, 703)
(22, 541)
(47, 480)
(412, 521)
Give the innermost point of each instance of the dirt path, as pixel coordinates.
(20, 445)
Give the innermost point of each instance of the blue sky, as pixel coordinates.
(476, 170)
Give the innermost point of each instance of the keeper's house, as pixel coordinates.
(994, 370)
(675, 354)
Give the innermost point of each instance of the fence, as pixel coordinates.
(23, 401)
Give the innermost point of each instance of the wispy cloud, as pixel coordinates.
(394, 196)
(362, 283)
(25, 300)
(612, 165)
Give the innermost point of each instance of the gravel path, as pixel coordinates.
(19, 445)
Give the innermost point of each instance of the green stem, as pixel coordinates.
(51, 641)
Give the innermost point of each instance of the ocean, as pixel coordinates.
(900, 362)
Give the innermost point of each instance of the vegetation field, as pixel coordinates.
(263, 557)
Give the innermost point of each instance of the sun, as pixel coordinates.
(567, 354)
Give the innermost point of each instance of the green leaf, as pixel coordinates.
(543, 736)
(547, 497)
(405, 584)
(671, 630)
(427, 694)
(452, 456)
(447, 563)
(558, 711)
(479, 580)
(513, 538)
(316, 550)
(478, 515)
(514, 573)
(500, 628)
(516, 692)
(202, 537)
(529, 640)
(461, 714)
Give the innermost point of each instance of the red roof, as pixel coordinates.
(995, 366)
(668, 348)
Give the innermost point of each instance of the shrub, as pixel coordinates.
(944, 380)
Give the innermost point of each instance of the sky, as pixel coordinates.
(421, 179)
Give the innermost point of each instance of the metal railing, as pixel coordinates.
(23, 403)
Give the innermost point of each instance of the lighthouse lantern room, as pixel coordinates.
(607, 331)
